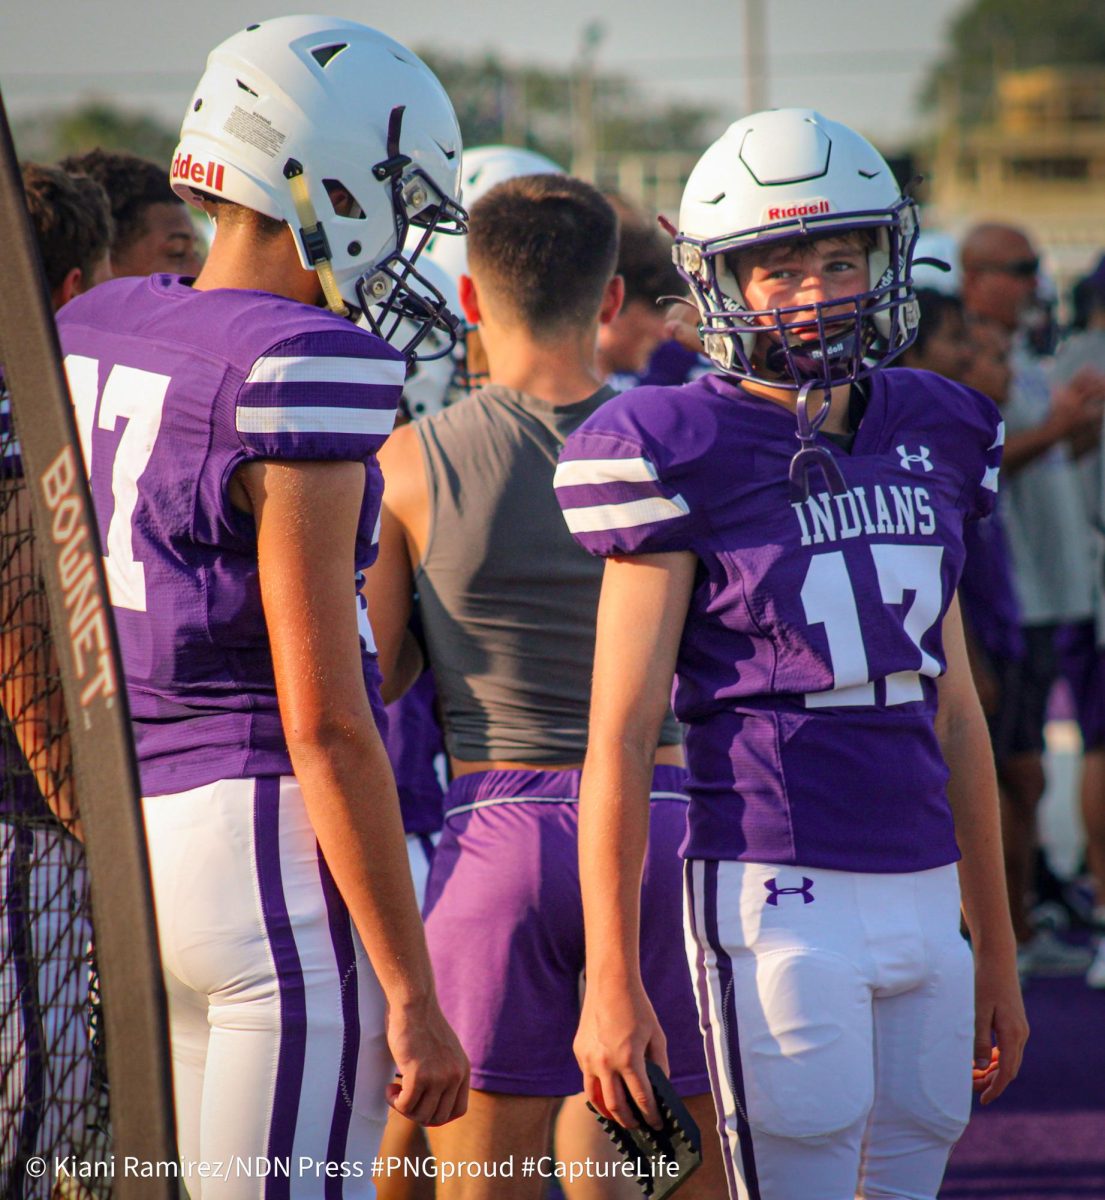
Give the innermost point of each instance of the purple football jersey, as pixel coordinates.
(987, 592)
(807, 669)
(416, 748)
(11, 463)
(174, 389)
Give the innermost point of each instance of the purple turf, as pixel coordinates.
(1045, 1138)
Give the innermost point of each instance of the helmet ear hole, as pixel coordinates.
(342, 200)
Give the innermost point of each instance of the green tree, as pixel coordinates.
(994, 35)
(50, 136)
(533, 107)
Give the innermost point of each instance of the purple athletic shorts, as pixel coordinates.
(504, 922)
(1082, 664)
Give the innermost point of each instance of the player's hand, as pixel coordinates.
(431, 1086)
(1077, 405)
(618, 1031)
(1001, 1027)
(681, 325)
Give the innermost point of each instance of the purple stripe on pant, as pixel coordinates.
(289, 974)
(345, 960)
(709, 936)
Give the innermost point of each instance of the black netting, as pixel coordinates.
(53, 1089)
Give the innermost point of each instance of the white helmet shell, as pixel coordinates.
(322, 92)
(940, 247)
(786, 174)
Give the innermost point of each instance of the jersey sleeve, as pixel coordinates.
(11, 461)
(327, 394)
(987, 440)
(618, 495)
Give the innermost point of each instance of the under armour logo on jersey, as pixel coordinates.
(922, 457)
(805, 891)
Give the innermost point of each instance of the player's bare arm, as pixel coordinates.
(640, 622)
(22, 640)
(306, 516)
(403, 530)
(972, 792)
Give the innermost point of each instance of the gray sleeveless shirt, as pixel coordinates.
(508, 600)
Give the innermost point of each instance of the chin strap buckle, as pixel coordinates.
(811, 455)
(312, 236)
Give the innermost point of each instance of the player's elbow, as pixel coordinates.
(334, 732)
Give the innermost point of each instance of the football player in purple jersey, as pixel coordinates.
(802, 594)
(230, 426)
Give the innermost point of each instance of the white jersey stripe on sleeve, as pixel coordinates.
(387, 372)
(369, 422)
(990, 479)
(599, 517)
(999, 437)
(597, 471)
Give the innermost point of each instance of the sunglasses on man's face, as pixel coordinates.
(1019, 268)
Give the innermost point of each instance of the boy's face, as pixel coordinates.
(795, 275)
(949, 350)
(168, 243)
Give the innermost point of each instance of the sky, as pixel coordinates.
(858, 61)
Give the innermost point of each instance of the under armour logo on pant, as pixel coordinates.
(805, 891)
(921, 457)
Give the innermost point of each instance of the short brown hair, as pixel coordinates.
(132, 184)
(545, 246)
(865, 238)
(71, 219)
(644, 257)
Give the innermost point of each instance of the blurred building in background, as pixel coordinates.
(1036, 159)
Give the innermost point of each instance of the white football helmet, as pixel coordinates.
(936, 263)
(347, 136)
(785, 174)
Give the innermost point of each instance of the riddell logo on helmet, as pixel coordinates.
(208, 175)
(812, 208)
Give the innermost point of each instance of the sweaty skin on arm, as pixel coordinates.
(404, 518)
(972, 792)
(306, 515)
(641, 615)
(28, 660)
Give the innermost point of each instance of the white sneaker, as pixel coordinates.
(1045, 956)
(1095, 976)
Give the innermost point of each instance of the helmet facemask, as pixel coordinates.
(395, 291)
(855, 335)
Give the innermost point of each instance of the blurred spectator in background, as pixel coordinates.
(153, 230)
(72, 225)
(626, 345)
(991, 615)
(1081, 655)
(1049, 538)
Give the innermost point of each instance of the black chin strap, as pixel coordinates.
(811, 455)
(395, 163)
